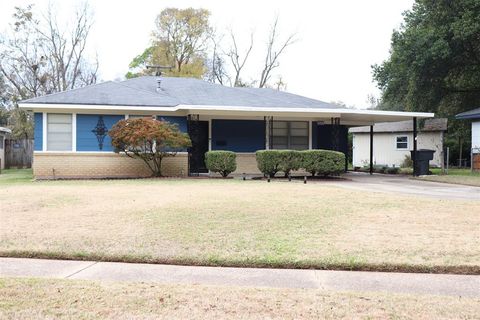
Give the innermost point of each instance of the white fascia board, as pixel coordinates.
(206, 109)
(333, 111)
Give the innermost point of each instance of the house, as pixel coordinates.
(3, 133)
(474, 116)
(71, 127)
(393, 142)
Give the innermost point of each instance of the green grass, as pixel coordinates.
(74, 299)
(456, 172)
(14, 176)
(454, 176)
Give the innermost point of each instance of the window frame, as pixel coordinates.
(407, 143)
(48, 133)
(289, 137)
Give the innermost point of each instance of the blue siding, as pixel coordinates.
(314, 135)
(38, 131)
(180, 121)
(238, 135)
(86, 139)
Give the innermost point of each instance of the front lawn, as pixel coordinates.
(12, 176)
(238, 223)
(455, 176)
(67, 299)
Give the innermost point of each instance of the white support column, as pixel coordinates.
(310, 135)
(44, 133)
(209, 134)
(74, 132)
(126, 116)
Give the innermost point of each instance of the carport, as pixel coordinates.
(328, 127)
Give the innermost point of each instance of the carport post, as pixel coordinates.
(414, 155)
(371, 149)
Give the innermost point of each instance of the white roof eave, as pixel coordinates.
(367, 115)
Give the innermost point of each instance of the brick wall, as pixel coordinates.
(246, 163)
(476, 162)
(112, 165)
(101, 165)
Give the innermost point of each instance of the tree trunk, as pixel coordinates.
(460, 153)
(157, 163)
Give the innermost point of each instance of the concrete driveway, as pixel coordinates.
(400, 184)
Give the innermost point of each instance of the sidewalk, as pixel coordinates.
(439, 284)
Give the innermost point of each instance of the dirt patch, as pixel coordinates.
(62, 299)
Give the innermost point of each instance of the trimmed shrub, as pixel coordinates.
(381, 169)
(393, 170)
(323, 162)
(223, 162)
(268, 162)
(407, 162)
(290, 160)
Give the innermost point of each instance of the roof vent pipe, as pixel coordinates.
(159, 83)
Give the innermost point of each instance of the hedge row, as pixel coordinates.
(316, 162)
(270, 162)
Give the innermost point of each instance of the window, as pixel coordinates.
(402, 142)
(290, 135)
(1, 142)
(59, 132)
(136, 116)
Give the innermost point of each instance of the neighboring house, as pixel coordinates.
(474, 116)
(393, 142)
(71, 127)
(3, 133)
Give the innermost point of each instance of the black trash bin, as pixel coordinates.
(423, 157)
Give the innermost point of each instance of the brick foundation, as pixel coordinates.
(101, 165)
(112, 165)
(476, 161)
(246, 163)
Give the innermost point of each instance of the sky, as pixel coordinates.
(337, 40)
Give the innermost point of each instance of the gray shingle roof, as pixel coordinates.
(143, 91)
(439, 124)
(107, 93)
(472, 114)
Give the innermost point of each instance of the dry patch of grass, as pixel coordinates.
(468, 180)
(239, 223)
(66, 299)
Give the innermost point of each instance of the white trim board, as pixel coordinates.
(235, 110)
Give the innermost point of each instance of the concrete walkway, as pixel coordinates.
(400, 184)
(439, 284)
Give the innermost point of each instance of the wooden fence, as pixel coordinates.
(18, 153)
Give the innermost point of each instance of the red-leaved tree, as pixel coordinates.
(149, 140)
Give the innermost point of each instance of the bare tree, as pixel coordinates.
(280, 85)
(238, 62)
(274, 51)
(217, 67)
(67, 52)
(38, 56)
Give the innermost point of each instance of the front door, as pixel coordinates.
(198, 131)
